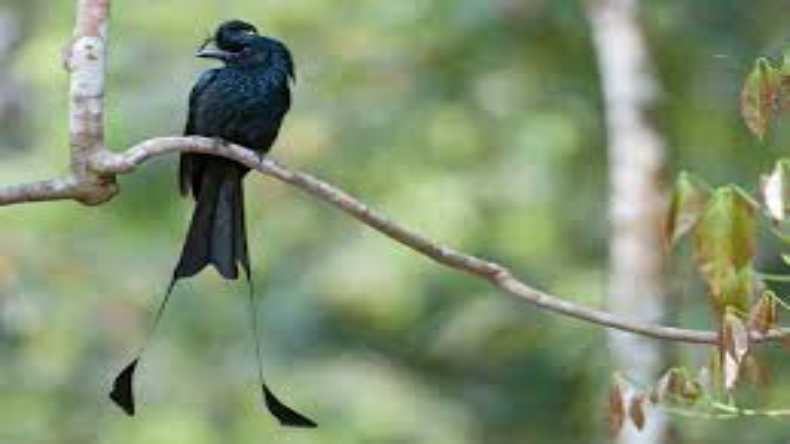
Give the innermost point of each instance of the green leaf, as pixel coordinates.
(692, 391)
(689, 198)
(736, 290)
(675, 385)
(760, 97)
(724, 247)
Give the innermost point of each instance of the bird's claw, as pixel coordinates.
(261, 156)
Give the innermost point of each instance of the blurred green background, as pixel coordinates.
(477, 122)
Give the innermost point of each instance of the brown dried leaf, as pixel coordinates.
(636, 411)
(736, 337)
(756, 373)
(760, 97)
(763, 315)
(735, 346)
(616, 410)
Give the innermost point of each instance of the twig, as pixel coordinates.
(45, 190)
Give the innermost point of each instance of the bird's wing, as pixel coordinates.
(190, 164)
(254, 120)
(200, 86)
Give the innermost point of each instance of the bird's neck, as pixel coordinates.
(281, 65)
(276, 69)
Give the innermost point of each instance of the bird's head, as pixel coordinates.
(236, 35)
(237, 43)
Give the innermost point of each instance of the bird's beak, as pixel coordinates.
(207, 52)
(214, 54)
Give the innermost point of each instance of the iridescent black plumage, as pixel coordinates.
(243, 102)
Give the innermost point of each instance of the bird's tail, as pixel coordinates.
(217, 234)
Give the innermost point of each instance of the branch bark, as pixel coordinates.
(86, 61)
(45, 190)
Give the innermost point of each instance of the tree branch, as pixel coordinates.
(45, 190)
(109, 164)
(86, 62)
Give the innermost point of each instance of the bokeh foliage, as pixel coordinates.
(477, 122)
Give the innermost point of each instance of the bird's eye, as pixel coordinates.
(250, 32)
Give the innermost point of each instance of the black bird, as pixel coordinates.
(242, 102)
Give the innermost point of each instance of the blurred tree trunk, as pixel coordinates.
(637, 281)
(12, 89)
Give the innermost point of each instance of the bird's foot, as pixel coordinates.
(261, 156)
